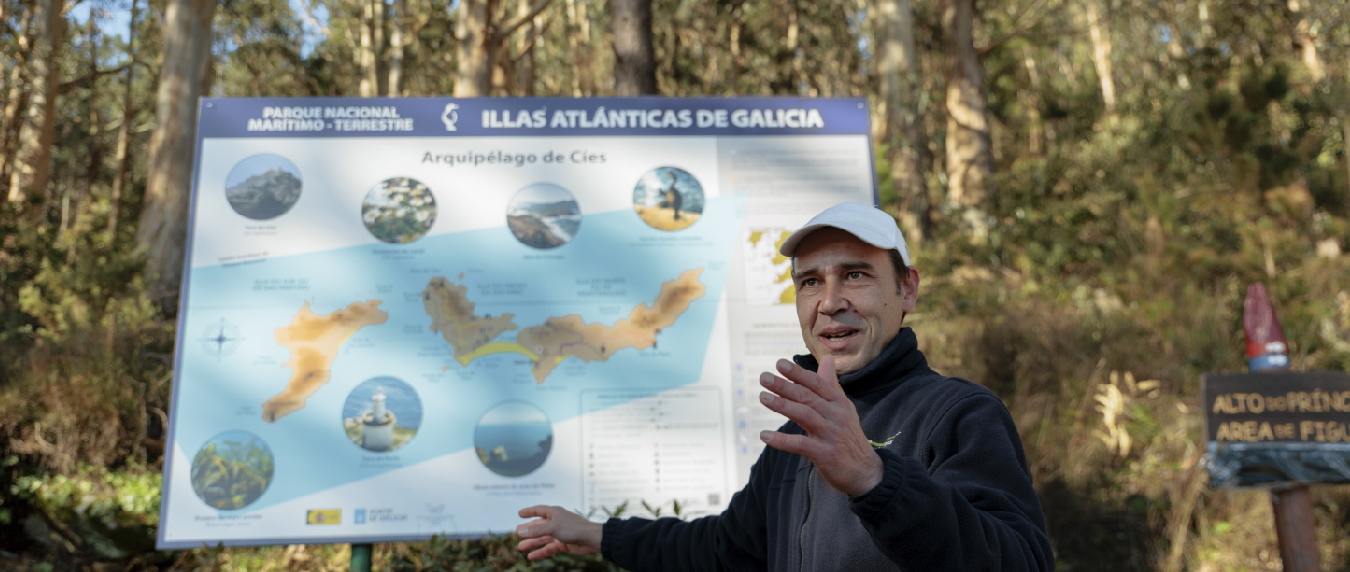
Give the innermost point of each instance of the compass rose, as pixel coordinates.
(220, 339)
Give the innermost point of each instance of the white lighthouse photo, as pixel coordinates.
(382, 414)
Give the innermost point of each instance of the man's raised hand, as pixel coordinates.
(556, 530)
(834, 439)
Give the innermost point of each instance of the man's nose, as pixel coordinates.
(832, 300)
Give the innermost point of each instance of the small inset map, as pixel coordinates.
(543, 216)
(513, 438)
(263, 187)
(668, 198)
(768, 274)
(399, 210)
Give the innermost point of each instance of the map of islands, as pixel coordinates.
(560, 337)
(314, 341)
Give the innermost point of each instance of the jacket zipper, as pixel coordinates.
(810, 502)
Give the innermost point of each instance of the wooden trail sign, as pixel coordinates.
(1277, 427)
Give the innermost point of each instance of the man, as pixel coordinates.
(884, 464)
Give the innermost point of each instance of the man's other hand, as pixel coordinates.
(556, 530)
(834, 439)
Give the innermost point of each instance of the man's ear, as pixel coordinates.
(909, 290)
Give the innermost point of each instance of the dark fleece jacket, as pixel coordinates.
(956, 494)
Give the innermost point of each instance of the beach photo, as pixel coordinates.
(668, 198)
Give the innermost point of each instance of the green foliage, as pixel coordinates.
(495, 553)
(126, 496)
(230, 475)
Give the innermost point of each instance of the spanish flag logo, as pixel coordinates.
(324, 516)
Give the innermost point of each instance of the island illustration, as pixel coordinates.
(558, 338)
(314, 341)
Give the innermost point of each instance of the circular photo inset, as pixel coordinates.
(263, 187)
(543, 216)
(382, 414)
(232, 470)
(399, 210)
(668, 198)
(513, 438)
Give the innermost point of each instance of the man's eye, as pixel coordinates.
(808, 282)
(855, 275)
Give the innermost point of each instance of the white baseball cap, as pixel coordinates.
(868, 223)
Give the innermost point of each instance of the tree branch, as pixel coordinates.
(81, 81)
(512, 25)
(996, 44)
(538, 32)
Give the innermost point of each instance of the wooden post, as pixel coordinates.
(1268, 350)
(361, 557)
(1294, 528)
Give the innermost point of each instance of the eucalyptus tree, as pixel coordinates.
(34, 121)
(184, 70)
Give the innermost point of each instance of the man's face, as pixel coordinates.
(847, 300)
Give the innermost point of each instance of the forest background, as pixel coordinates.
(1090, 185)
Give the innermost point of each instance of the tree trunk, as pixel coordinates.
(1175, 52)
(503, 67)
(793, 73)
(1304, 41)
(1101, 57)
(33, 149)
(525, 50)
(1036, 139)
(968, 155)
(72, 200)
(18, 98)
(898, 67)
(398, 20)
(1345, 149)
(163, 225)
(634, 61)
(124, 132)
(475, 50)
(370, 80)
(737, 64)
(579, 42)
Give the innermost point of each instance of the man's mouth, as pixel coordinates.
(837, 338)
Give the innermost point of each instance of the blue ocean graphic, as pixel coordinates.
(614, 263)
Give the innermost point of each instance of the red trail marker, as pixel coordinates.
(1267, 349)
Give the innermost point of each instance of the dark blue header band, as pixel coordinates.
(539, 116)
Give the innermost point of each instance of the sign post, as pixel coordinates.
(1278, 428)
(361, 556)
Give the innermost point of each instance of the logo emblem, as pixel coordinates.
(324, 516)
(449, 117)
(886, 443)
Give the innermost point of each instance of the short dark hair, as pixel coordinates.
(901, 269)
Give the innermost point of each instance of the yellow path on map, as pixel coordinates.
(314, 341)
(558, 338)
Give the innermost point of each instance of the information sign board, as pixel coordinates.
(408, 317)
(1277, 426)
